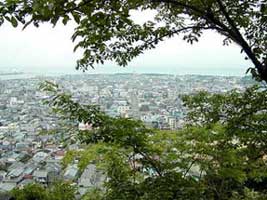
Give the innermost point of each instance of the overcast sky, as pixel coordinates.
(48, 49)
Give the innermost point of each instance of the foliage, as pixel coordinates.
(47, 132)
(58, 191)
(62, 104)
(230, 138)
(106, 29)
(4, 195)
(220, 154)
(243, 119)
(61, 191)
(68, 158)
(30, 192)
(93, 194)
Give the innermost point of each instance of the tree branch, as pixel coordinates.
(190, 166)
(207, 15)
(231, 32)
(180, 30)
(83, 3)
(242, 42)
(180, 4)
(151, 161)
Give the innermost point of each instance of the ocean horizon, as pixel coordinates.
(34, 72)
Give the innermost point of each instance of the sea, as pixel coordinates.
(172, 71)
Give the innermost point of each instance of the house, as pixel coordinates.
(58, 155)
(25, 182)
(40, 156)
(16, 170)
(6, 187)
(91, 177)
(71, 172)
(41, 176)
(53, 171)
(29, 169)
(15, 173)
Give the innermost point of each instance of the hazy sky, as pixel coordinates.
(48, 49)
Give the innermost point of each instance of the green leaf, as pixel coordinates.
(76, 17)
(14, 22)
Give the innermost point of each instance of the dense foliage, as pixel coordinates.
(220, 154)
(58, 191)
(106, 30)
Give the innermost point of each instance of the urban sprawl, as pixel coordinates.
(29, 155)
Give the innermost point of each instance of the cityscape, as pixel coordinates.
(133, 100)
(29, 155)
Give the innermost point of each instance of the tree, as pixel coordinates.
(61, 191)
(229, 134)
(58, 191)
(221, 154)
(30, 192)
(106, 31)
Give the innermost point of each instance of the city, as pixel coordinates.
(28, 154)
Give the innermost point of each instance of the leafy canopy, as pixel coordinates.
(105, 29)
(220, 154)
(58, 191)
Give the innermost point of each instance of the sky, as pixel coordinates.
(49, 50)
